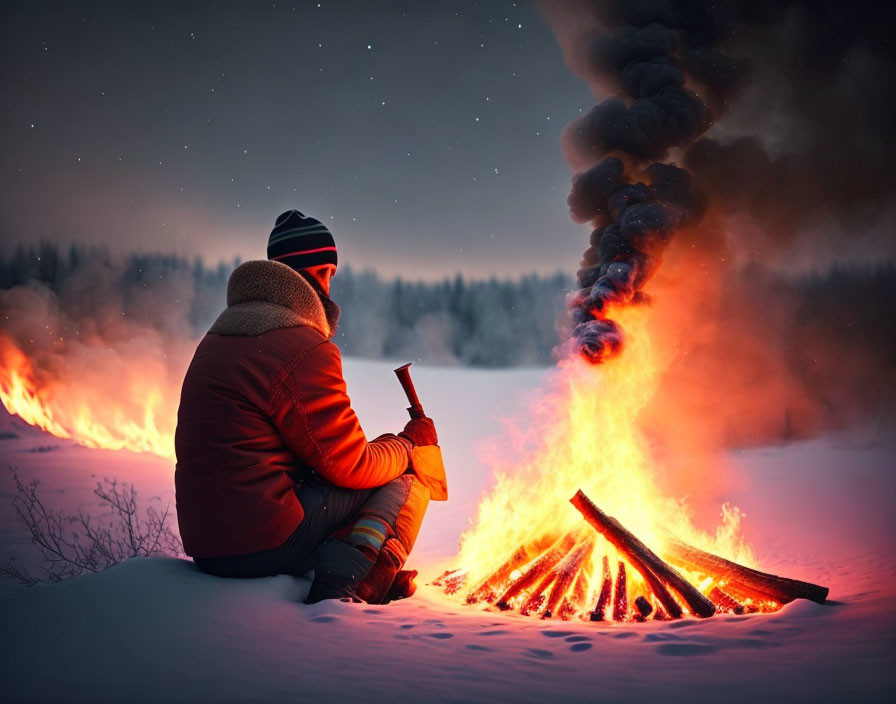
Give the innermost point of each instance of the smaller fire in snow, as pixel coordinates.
(81, 413)
(20, 392)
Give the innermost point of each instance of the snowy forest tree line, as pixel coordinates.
(489, 323)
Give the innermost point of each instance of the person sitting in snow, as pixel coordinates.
(274, 473)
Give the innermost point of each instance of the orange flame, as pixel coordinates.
(584, 434)
(136, 419)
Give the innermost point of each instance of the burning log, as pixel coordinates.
(644, 607)
(542, 566)
(567, 571)
(753, 583)
(575, 600)
(752, 601)
(725, 602)
(522, 555)
(603, 600)
(620, 595)
(451, 581)
(655, 572)
(536, 596)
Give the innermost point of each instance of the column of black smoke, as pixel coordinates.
(671, 85)
(800, 190)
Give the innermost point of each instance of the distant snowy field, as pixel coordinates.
(821, 510)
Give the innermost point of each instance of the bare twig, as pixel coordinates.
(72, 545)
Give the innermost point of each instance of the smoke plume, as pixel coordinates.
(651, 60)
(803, 151)
(759, 135)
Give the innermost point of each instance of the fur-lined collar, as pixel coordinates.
(265, 295)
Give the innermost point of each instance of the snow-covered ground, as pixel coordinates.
(821, 510)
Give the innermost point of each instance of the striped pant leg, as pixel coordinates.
(371, 547)
(398, 506)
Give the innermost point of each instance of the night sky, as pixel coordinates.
(424, 134)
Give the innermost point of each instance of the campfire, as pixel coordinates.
(551, 577)
(534, 550)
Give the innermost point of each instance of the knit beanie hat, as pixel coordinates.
(301, 242)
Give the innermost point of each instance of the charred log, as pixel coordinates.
(486, 590)
(620, 597)
(644, 608)
(536, 596)
(606, 589)
(655, 572)
(575, 600)
(537, 571)
(567, 571)
(725, 602)
(758, 585)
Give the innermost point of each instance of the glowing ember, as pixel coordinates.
(134, 419)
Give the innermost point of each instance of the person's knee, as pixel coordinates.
(394, 510)
(410, 516)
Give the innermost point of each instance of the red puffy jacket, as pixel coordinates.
(263, 402)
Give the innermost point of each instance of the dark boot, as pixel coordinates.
(403, 587)
(339, 570)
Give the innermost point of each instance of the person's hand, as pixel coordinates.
(421, 431)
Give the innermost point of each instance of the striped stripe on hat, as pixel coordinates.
(300, 241)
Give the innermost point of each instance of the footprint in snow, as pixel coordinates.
(479, 648)
(492, 633)
(750, 643)
(324, 619)
(539, 653)
(661, 637)
(406, 626)
(685, 649)
(440, 636)
(579, 647)
(556, 634)
(682, 624)
(577, 639)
